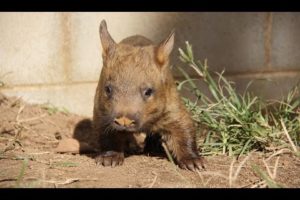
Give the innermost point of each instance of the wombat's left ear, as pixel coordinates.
(165, 48)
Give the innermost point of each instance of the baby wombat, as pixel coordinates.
(137, 93)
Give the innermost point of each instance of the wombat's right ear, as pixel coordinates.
(108, 44)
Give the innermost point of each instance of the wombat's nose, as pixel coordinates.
(124, 121)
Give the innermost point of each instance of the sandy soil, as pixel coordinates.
(29, 135)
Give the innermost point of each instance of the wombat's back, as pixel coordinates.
(137, 40)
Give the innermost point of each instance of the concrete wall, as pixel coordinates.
(56, 57)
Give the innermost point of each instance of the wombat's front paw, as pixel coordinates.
(110, 158)
(191, 163)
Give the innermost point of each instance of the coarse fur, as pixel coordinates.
(137, 93)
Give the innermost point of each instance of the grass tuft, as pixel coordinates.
(64, 164)
(51, 109)
(22, 173)
(237, 123)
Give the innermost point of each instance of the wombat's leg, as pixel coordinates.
(135, 143)
(183, 147)
(112, 149)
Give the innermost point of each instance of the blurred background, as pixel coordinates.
(56, 57)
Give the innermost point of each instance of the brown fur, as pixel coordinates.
(128, 68)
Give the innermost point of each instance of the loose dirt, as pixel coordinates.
(30, 133)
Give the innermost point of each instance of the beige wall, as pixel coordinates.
(56, 57)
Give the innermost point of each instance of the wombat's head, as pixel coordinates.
(135, 81)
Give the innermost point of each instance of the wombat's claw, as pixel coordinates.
(110, 158)
(192, 163)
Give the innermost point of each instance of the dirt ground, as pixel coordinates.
(29, 135)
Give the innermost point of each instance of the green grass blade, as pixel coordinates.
(265, 177)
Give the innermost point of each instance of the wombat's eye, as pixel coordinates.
(108, 89)
(148, 92)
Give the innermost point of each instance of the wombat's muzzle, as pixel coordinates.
(125, 123)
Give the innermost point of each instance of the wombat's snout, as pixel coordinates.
(125, 123)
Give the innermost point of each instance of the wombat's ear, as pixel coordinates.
(108, 44)
(165, 48)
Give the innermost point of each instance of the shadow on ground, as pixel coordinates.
(83, 133)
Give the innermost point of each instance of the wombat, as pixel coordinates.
(136, 93)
